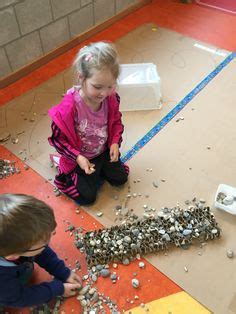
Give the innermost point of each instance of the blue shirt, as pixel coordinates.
(14, 293)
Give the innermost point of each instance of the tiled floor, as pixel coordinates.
(182, 62)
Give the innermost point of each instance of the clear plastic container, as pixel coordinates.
(139, 87)
(229, 192)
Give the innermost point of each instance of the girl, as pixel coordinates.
(87, 128)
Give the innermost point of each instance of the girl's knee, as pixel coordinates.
(121, 179)
(87, 199)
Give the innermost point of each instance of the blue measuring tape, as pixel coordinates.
(148, 136)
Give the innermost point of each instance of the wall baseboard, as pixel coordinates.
(11, 78)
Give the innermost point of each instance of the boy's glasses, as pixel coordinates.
(39, 248)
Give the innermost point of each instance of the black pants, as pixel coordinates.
(88, 184)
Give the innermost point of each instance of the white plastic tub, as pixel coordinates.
(139, 87)
(229, 191)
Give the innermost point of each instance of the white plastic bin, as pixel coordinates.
(139, 87)
(229, 191)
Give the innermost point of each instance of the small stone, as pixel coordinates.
(202, 201)
(99, 214)
(83, 303)
(99, 267)
(127, 239)
(57, 193)
(79, 244)
(185, 269)
(141, 264)
(230, 253)
(84, 290)
(186, 232)
(113, 276)
(26, 167)
(135, 282)
(155, 184)
(228, 200)
(92, 291)
(70, 228)
(105, 273)
(94, 277)
(126, 261)
(15, 140)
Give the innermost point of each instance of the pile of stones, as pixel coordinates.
(7, 168)
(176, 226)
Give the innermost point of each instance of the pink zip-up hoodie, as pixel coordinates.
(63, 116)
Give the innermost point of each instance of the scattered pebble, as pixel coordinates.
(155, 184)
(230, 253)
(135, 282)
(26, 167)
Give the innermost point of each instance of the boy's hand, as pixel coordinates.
(70, 289)
(85, 164)
(74, 278)
(114, 152)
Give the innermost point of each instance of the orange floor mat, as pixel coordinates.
(153, 284)
(201, 23)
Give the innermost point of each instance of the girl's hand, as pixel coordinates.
(70, 289)
(74, 278)
(85, 164)
(114, 152)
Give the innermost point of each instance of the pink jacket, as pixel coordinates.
(63, 116)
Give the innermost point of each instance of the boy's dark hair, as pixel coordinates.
(24, 221)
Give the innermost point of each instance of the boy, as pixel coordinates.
(26, 226)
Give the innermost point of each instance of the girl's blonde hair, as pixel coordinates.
(24, 221)
(96, 56)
